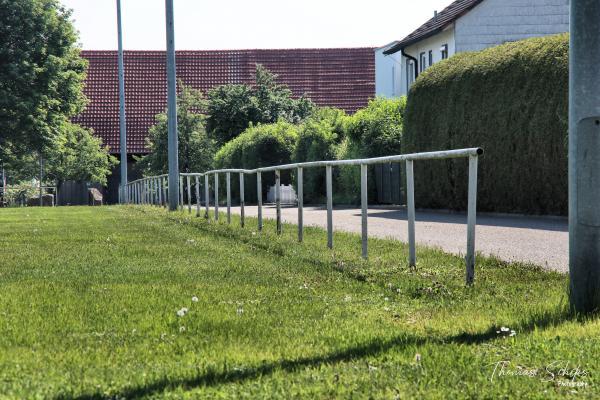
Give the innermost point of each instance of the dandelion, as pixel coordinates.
(182, 329)
(182, 312)
(194, 299)
(253, 233)
(387, 299)
(347, 298)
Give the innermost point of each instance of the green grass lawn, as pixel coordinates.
(89, 301)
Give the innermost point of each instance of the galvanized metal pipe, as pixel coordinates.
(181, 203)
(242, 214)
(329, 185)
(259, 199)
(189, 194)
(206, 197)
(364, 210)
(197, 178)
(165, 194)
(216, 196)
(410, 209)
(300, 179)
(228, 180)
(160, 193)
(278, 200)
(122, 123)
(471, 219)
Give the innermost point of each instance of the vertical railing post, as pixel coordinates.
(242, 211)
(216, 196)
(364, 209)
(197, 182)
(152, 188)
(189, 194)
(160, 192)
(300, 204)
(206, 197)
(278, 200)
(228, 185)
(181, 203)
(329, 185)
(471, 219)
(259, 199)
(410, 204)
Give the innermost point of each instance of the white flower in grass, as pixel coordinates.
(348, 298)
(387, 299)
(182, 329)
(504, 329)
(417, 357)
(240, 311)
(182, 312)
(513, 333)
(194, 299)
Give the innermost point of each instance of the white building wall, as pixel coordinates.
(494, 22)
(388, 73)
(433, 44)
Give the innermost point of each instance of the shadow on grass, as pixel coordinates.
(540, 321)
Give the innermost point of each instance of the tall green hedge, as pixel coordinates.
(512, 100)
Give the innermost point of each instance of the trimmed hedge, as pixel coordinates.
(512, 100)
(258, 146)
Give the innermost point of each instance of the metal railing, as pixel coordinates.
(153, 190)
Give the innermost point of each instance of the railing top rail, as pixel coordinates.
(432, 155)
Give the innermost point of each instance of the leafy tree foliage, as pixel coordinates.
(233, 108)
(196, 148)
(41, 73)
(78, 155)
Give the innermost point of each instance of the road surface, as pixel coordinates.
(539, 240)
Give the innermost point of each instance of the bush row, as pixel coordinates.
(328, 134)
(512, 100)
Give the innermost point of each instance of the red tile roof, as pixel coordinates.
(343, 78)
(436, 24)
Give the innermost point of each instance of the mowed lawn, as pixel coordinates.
(89, 301)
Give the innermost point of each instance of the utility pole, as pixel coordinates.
(584, 156)
(122, 121)
(172, 110)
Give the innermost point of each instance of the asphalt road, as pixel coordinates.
(539, 240)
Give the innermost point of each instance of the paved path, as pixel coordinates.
(539, 240)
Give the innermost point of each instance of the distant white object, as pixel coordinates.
(288, 194)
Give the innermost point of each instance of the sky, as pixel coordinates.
(250, 24)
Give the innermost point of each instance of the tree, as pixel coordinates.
(232, 109)
(196, 148)
(41, 73)
(78, 155)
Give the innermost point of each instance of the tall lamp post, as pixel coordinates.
(584, 156)
(122, 124)
(172, 110)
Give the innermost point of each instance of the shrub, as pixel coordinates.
(512, 100)
(318, 139)
(262, 145)
(377, 128)
(373, 131)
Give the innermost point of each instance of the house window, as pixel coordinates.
(422, 62)
(430, 58)
(444, 50)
